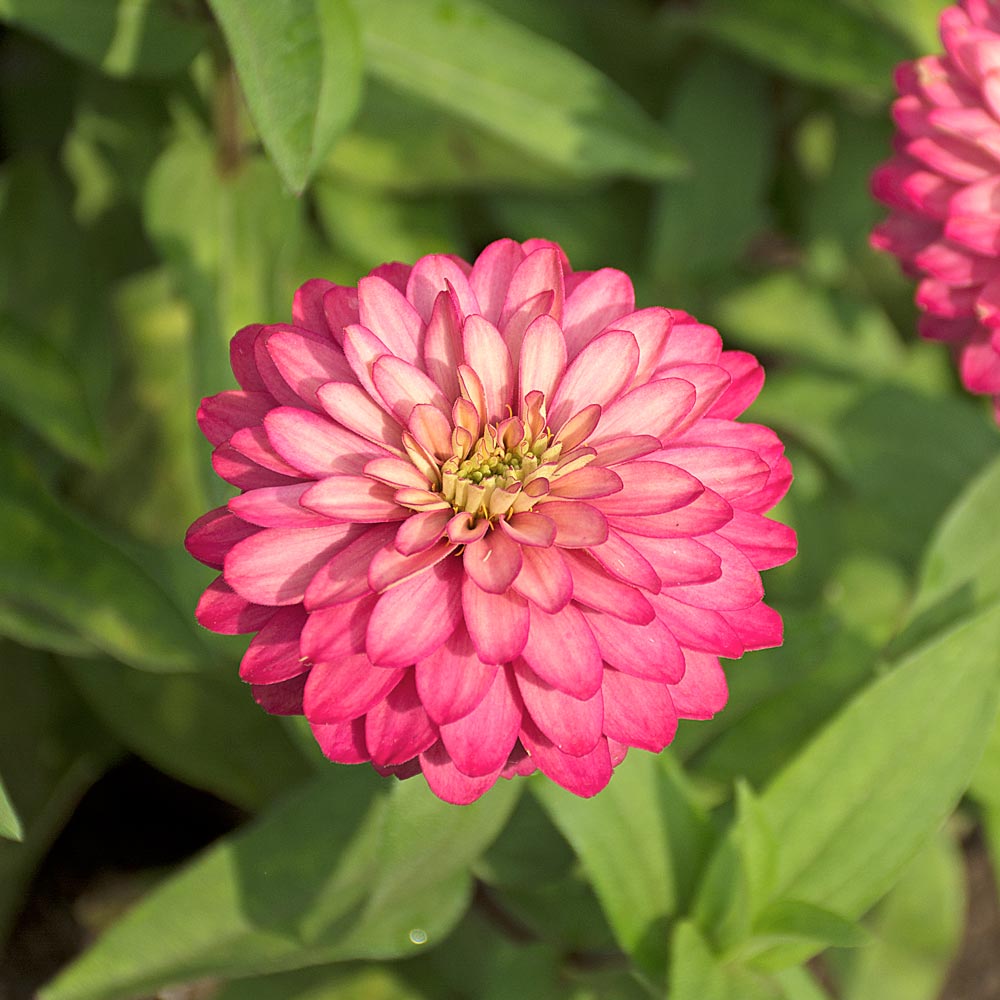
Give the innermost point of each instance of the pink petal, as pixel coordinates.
(651, 328)
(584, 776)
(578, 428)
(354, 498)
(764, 542)
(443, 345)
(242, 358)
(530, 528)
(283, 698)
(332, 633)
(211, 537)
(747, 378)
(403, 386)
(342, 742)
(698, 628)
(655, 408)
(438, 273)
(593, 305)
(598, 375)
(222, 415)
(243, 472)
(431, 429)
(650, 488)
(274, 566)
(545, 579)
(707, 512)
(222, 610)
(397, 728)
(307, 305)
(306, 363)
(573, 726)
(420, 531)
(274, 653)
(731, 472)
(396, 472)
(679, 561)
(587, 483)
(354, 409)
(389, 567)
(447, 782)
(491, 274)
(345, 575)
(276, 385)
(638, 712)
(277, 507)
(649, 651)
(759, 627)
(702, 691)
(595, 588)
(624, 562)
(387, 313)
(562, 650)
(578, 525)
(253, 443)
(362, 349)
(497, 623)
(493, 562)
(487, 354)
(315, 445)
(452, 681)
(624, 449)
(542, 360)
(479, 743)
(340, 309)
(338, 692)
(539, 274)
(414, 618)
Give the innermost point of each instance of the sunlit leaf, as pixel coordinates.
(10, 822)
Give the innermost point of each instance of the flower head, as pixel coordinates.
(943, 186)
(492, 519)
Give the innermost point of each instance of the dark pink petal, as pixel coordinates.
(598, 374)
(738, 586)
(584, 776)
(698, 628)
(362, 349)
(354, 498)
(443, 345)
(269, 373)
(242, 358)
(979, 365)
(277, 507)
(764, 542)
(638, 712)
(679, 561)
(493, 562)
(702, 691)
(211, 537)
(412, 619)
(274, 653)
(573, 726)
(530, 528)
(594, 305)
(595, 588)
(222, 610)
(306, 363)
(345, 575)
(545, 579)
(625, 562)
(542, 360)
(497, 623)
(396, 273)
(222, 415)
(340, 308)
(397, 728)
(747, 378)
(352, 407)
(332, 633)
(587, 483)
(519, 764)
(452, 681)
(389, 567)
(491, 274)
(649, 651)
(338, 692)
(420, 531)
(656, 408)
(447, 782)
(403, 386)
(342, 742)
(253, 443)
(274, 566)
(307, 305)
(562, 650)
(650, 488)
(437, 273)
(243, 472)
(578, 525)
(487, 354)
(759, 627)
(283, 698)
(387, 313)
(480, 742)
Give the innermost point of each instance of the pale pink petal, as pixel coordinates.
(539, 275)
(274, 566)
(584, 776)
(595, 588)
(342, 742)
(222, 415)
(493, 562)
(315, 445)
(487, 354)
(211, 537)
(345, 575)
(649, 651)
(624, 561)
(306, 363)
(222, 610)
(397, 728)
(442, 350)
(650, 488)
(530, 528)
(388, 566)
(638, 712)
(491, 274)
(338, 692)
(593, 305)
(412, 619)
(578, 525)
(274, 653)
(354, 498)
(354, 409)
(598, 375)
(562, 650)
(386, 312)
(332, 633)
(542, 359)
(438, 273)
(656, 408)
(447, 782)
(420, 531)
(573, 726)
(497, 623)
(578, 428)
(452, 681)
(702, 691)
(277, 507)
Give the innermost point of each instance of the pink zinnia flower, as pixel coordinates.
(943, 186)
(492, 519)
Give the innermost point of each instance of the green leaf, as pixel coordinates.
(39, 386)
(812, 40)
(642, 842)
(202, 728)
(339, 870)
(325, 983)
(10, 823)
(790, 921)
(299, 64)
(471, 62)
(122, 37)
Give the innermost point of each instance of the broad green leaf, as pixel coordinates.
(201, 728)
(342, 869)
(811, 40)
(54, 565)
(641, 841)
(915, 930)
(325, 983)
(985, 787)
(122, 37)
(40, 387)
(299, 64)
(473, 63)
(858, 802)
(789, 921)
(10, 822)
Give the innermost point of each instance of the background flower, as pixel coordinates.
(493, 518)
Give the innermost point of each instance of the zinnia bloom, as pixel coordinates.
(493, 519)
(943, 185)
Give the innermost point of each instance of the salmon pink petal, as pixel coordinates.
(479, 743)
(452, 681)
(447, 782)
(562, 650)
(493, 562)
(587, 483)
(277, 507)
(584, 776)
(345, 574)
(419, 532)
(702, 691)
(353, 498)
(274, 654)
(222, 415)
(578, 525)
(342, 742)
(544, 579)
(594, 305)
(530, 528)
(437, 273)
(598, 375)
(496, 623)
(397, 728)
(594, 588)
(488, 355)
(385, 311)
(431, 429)
(573, 726)
(334, 632)
(341, 691)
(315, 445)
(543, 358)
(638, 712)
(211, 537)
(222, 610)
(412, 619)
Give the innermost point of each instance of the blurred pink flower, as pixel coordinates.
(492, 519)
(943, 186)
